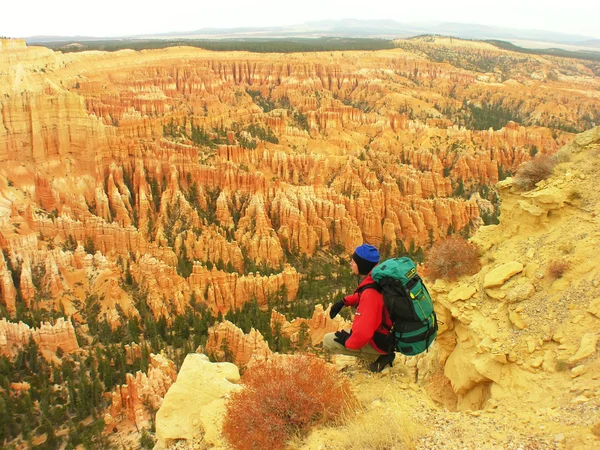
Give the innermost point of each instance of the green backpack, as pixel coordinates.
(414, 323)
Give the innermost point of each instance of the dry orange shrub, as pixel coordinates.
(451, 258)
(557, 268)
(282, 398)
(534, 171)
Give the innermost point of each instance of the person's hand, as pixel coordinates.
(341, 337)
(336, 308)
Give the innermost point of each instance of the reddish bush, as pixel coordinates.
(282, 398)
(534, 171)
(451, 258)
(557, 268)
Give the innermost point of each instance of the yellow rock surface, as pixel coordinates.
(462, 293)
(194, 405)
(498, 276)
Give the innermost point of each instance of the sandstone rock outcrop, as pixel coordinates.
(517, 348)
(586, 348)
(195, 404)
(500, 275)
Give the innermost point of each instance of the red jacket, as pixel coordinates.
(369, 316)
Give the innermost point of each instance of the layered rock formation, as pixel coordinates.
(8, 288)
(314, 329)
(226, 342)
(129, 165)
(125, 118)
(142, 394)
(16, 336)
(520, 328)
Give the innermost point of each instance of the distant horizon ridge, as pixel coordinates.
(350, 27)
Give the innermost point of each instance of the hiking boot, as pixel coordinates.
(379, 364)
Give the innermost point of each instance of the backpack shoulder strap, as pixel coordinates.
(379, 289)
(375, 286)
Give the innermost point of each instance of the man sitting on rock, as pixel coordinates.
(370, 328)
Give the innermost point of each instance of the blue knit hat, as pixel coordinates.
(366, 257)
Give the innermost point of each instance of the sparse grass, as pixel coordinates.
(574, 195)
(534, 171)
(385, 420)
(490, 259)
(282, 399)
(382, 427)
(557, 268)
(592, 167)
(567, 247)
(561, 156)
(561, 365)
(146, 440)
(451, 258)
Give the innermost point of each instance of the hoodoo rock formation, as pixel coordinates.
(314, 329)
(228, 343)
(142, 393)
(132, 174)
(16, 336)
(146, 195)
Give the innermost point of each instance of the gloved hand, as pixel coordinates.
(336, 308)
(341, 337)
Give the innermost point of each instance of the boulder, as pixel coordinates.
(461, 293)
(498, 276)
(587, 347)
(516, 319)
(546, 199)
(520, 293)
(195, 404)
(594, 308)
(496, 294)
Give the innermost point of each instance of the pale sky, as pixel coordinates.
(104, 18)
